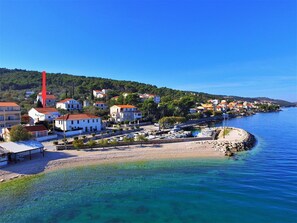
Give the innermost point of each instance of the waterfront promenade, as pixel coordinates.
(70, 158)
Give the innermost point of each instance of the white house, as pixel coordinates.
(50, 99)
(121, 113)
(100, 93)
(156, 98)
(69, 104)
(43, 114)
(72, 122)
(100, 104)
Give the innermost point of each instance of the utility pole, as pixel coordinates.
(64, 120)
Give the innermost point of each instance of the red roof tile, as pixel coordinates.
(76, 117)
(35, 128)
(46, 110)
(65, 100)
(126, 106)
(8, 104)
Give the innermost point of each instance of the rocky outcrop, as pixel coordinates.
(230, 147)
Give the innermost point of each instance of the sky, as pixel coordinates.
(230, 47)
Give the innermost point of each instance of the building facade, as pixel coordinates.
(100, 93)
(73, 122)
(122, 113)
(50, 99)
(156, 98)
(10, 114)
(101, 105)
(43, 114)
(69, 104)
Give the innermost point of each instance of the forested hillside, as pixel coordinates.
(15, 82)
(79, 87)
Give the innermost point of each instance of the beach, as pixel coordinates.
(54, 160)
(70, 158)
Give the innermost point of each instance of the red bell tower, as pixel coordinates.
(44, 89)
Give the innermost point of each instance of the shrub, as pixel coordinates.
(75, 138)
(19, 133)
(55, 142)
(92, 143)
(103, 142)
(141, 138)
(114, 142)
(78, 143)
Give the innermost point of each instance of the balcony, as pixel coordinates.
(10, 112)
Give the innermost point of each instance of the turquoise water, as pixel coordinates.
(256, 186)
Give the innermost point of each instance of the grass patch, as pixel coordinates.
(226, 131)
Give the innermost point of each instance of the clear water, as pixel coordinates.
(257, 186)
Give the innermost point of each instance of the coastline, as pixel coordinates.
(55, 160)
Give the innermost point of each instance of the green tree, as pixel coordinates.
(141, 139)
(78, 143)
(91, 143)
(166, 122)
(103, 142)
(132, 99)
(114, 142)
(150, 109)
(19, 133)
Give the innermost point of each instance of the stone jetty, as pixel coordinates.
(237, 140)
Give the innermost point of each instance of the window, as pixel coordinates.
(88, 121)
(77, 121)
(72, 122)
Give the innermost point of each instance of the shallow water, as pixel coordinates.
(256, 186)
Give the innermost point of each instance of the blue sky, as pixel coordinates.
(232, 47)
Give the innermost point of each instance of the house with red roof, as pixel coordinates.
(73, 122)
(43, 114)
(100, 93)
(37, 131)
(69, 104)
(50, 99)
(122, 113)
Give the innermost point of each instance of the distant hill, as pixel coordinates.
(14, 83)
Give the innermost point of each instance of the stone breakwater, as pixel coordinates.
(237, 140)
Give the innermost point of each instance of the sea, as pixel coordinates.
(259, 185)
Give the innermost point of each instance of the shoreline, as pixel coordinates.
(55, 160)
